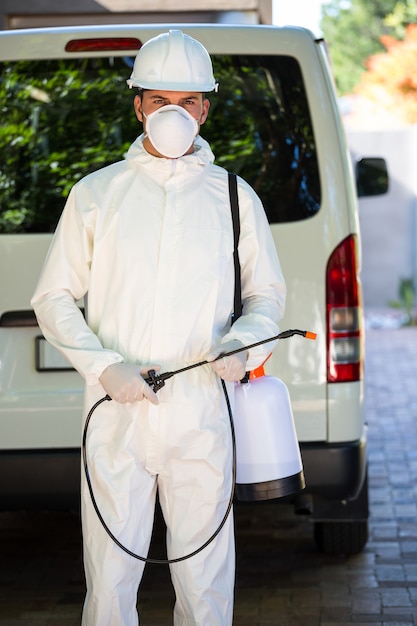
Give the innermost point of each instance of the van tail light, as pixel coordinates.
(103, 44)
(344, 316)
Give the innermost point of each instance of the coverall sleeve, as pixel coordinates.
(63, 282)
(262, 281)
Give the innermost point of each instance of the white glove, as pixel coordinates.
(231, 368)
(123, 383)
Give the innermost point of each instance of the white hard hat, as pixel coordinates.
(173, 61)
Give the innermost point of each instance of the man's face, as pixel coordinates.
(193, 102)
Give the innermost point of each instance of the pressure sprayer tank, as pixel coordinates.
(268, 456)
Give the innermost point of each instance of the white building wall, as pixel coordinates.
(388, 222)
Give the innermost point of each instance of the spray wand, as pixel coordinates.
(157, 381)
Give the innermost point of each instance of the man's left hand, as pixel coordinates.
(231, 368)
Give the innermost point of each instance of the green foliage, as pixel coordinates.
(403, 14)
(60, 121)
(406, 297)
(259, 127)
(353, 28)
(63, 119)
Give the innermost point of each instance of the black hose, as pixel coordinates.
(157, 381)
(103, 523)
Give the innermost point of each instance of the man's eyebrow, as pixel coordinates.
(157, 96)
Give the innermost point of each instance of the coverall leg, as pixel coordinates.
(125, 494)
(195, 485)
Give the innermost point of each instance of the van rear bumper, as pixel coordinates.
(334, 471)
(40, 479)
(50, 478)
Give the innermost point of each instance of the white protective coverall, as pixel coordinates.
(150, 240)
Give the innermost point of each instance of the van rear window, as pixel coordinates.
(62, 119)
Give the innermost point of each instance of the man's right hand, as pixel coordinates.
(124, 382)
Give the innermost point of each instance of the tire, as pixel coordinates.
(341, 537)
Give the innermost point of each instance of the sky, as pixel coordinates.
(298, 13)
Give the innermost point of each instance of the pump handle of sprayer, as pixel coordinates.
(157, 381)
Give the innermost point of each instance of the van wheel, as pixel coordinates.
(341, 537)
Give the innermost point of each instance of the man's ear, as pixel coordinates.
(137, 104)
(206, 107)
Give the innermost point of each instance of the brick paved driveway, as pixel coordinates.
(281, 578)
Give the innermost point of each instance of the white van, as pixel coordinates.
(66, 110)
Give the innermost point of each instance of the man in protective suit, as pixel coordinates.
(149, 239)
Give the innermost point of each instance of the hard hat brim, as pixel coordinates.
(190, 87)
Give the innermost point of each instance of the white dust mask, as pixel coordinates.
(171, 130)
